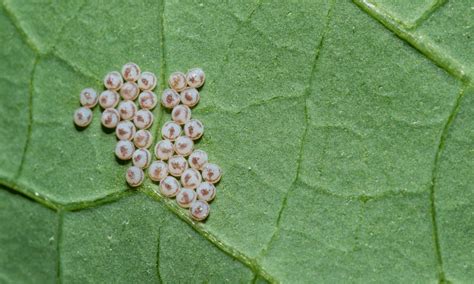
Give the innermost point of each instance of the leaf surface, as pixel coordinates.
(343, 128)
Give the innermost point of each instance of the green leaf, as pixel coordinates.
(344, 130)
(28, 239)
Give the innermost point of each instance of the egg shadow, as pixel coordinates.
(79, 128)
(107, 130)
(122, 162)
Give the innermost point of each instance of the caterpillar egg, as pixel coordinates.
(183, 146)
(181, 114)
(191, 178)
(82, 116)
(127, 109)
(199, 210)
(186, 197)
(124, 150)
(177, 81)
(158, 171)
(177, 165)
(169, 186)
(171, 130)
(164, 150)
(110, 118)
(125, 130)
(194, 129)
(134, 176)
(143, 139)
(147, 81)
(198, 159)
(141, 158)
(147, 100)
(129, 91)
(109, 99)
(211, 173)
(131, 71)
(190, 97)
(113, 81)
(143, 119)
(88, 98)
(206, 191)
(170, 98)
(195, 77)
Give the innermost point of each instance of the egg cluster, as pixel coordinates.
(175, 155)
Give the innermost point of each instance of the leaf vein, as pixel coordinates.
(30, 116)
(225, 61)
(239, 256)
(76, 68)
(421, 44)
(426, 14)
(362, 197)
(161, 111)
(158, 247)
(251, 263)
(306, 95)
(59, 230)
(29, 193)
(59, 34)
(434, 180)
(24, 36)
(213, 108)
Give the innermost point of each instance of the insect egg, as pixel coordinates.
(177, 81)
(125, 130)
(170, 130)
(198, 159)
(211, 173)
(191, 178)
(195, 77)
(127, 109)
(181, 114)
(109, 99)
(170, 98)
(177, 165)
(147, 100)
(169, 187)
(206, 191)
(141, 158)
(147, 81)
(199, 210)
(113, 81)
(183, 145)
(110, 118)
(131, 71)
(186, 197)
(164, 149)
(194, 129)
(82, 116)
(124, 150)
(134, 176)
(158, 171)
(190, 97)
(143, 119)
(129, 91)
(143, 139)
(88, 98)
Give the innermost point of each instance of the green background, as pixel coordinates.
(345, 131)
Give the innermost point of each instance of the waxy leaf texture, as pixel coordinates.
(344, 129)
